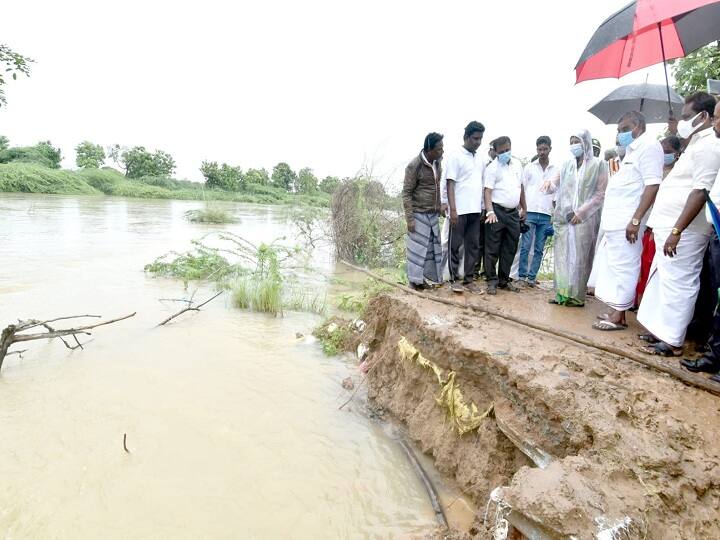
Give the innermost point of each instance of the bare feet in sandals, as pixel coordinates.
(606, 325)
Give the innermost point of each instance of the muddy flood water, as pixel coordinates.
(232, 422)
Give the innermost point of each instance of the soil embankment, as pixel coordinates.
(583, 443)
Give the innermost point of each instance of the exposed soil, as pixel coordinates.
(627, 444)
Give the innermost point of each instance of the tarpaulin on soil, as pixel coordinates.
(465, 417)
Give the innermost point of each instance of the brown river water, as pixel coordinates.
(231, 420)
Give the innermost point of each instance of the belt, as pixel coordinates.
(504, 208)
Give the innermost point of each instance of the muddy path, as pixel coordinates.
(629, 450)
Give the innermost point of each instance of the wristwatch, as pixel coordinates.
(675, 231)
(635, 222)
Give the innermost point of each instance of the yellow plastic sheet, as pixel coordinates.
(464, 416)
(409, 353)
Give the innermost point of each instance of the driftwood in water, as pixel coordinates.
(189, 307)
(14, 333)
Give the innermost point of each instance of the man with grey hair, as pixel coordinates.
(629, 195)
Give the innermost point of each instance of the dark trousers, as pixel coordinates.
(501, 242)
(714, 257)
(467, 234)
(700, 326)
(481, 250)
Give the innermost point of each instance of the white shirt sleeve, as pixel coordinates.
(526, 175)
(706, 162)
(651, 164)
(490, 175)
(443, 188)
(452, 168)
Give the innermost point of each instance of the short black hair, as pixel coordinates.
(431, 141)
(701, 101)
(502, 139)
(543, 139)
(637, 118)
(472, 128)
(673, 141)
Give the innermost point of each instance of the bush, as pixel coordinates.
(210, 215)
(40, 154)
(32, 178)
(105, 180)
(367, 225)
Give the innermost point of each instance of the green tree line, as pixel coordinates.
(137, 162)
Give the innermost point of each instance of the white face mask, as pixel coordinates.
(685, 128)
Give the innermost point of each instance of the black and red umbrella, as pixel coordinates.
(647, 32)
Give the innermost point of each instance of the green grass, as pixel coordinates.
(210, 215)
(34, 178)
(264, 295)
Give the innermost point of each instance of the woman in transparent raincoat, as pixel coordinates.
(579, 194)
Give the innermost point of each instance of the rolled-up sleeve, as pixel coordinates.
(651, 165)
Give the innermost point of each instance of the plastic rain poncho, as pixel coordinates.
(580, 191)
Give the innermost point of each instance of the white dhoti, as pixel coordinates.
(669, 300)
(592, 280)
(617, 270)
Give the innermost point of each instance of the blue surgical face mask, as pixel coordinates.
(577, 150)
(625, 138)
(504, 158)
(670, 159)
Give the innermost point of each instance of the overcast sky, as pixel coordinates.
(325, 84)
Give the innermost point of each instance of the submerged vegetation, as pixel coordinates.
(210, 215)
(259, 277)
(334, 335)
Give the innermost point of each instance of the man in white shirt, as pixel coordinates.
(682, 231)
(710, 361)
(464, 184)
(505, 206)
(539, 210)
(629, 195)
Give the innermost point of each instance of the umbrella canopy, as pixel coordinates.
(647, 32)
(649, 99)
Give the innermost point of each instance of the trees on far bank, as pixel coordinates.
(89, 155)
(137, 161)
(43, 153)
(283, 176)
(223, 176)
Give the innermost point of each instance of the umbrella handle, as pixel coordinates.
(667, 82)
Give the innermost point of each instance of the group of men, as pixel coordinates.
(609, 213)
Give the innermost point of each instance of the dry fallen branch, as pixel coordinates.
(12, 334)
(190, 307)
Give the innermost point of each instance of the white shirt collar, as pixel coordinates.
(638, 142)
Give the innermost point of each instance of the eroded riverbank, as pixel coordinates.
(584, 444)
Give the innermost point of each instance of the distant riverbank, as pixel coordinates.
(33, 178)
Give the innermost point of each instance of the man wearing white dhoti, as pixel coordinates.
(682, 230)
(629, 195)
